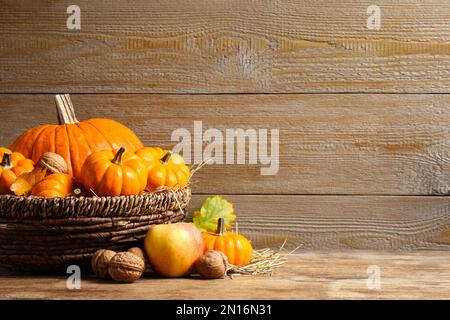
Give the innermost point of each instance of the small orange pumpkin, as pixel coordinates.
(108, 173)
(54, 185)
(12, 165)
(236, 247)
(165, 168)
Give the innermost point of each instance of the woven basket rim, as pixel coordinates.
(12, 206)
(97, 198)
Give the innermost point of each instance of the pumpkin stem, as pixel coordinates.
(118, 157)
(166, 157)
(6, 161)
(66, 112)
(220, 227)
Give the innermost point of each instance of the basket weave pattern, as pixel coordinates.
(41, 234)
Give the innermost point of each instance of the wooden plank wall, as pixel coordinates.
(363, 115)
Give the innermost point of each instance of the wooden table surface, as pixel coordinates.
(307, 275)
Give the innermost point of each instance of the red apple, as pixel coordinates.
(173, 249)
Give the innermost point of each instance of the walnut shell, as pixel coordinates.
(53, 162)
(212, 265)
(126, 267)
(100, 262)
(140, 253)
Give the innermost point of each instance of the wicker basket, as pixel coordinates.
(49, 234)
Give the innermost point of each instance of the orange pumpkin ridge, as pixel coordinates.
(75, 140)
(108, 173)
(165, 168)
(236, 247)
(54, 185)
(12, 165)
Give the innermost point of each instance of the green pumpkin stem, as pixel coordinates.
(166, 157)
(220, 227)
(6, 161)
(118, 157)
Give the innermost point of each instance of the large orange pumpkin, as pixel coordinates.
(109, 173)
(164, 168)
(54, 185)
(75, 140)
(235, 246)
(12, 165)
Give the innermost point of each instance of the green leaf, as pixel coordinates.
(210, 212)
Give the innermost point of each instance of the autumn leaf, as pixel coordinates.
(26, 181)
(211, 210)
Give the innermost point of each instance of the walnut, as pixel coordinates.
(140, 253)
(212, 265)
(53, 162)
(100, 262)
(126, 267)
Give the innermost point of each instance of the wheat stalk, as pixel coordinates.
(264, 262)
